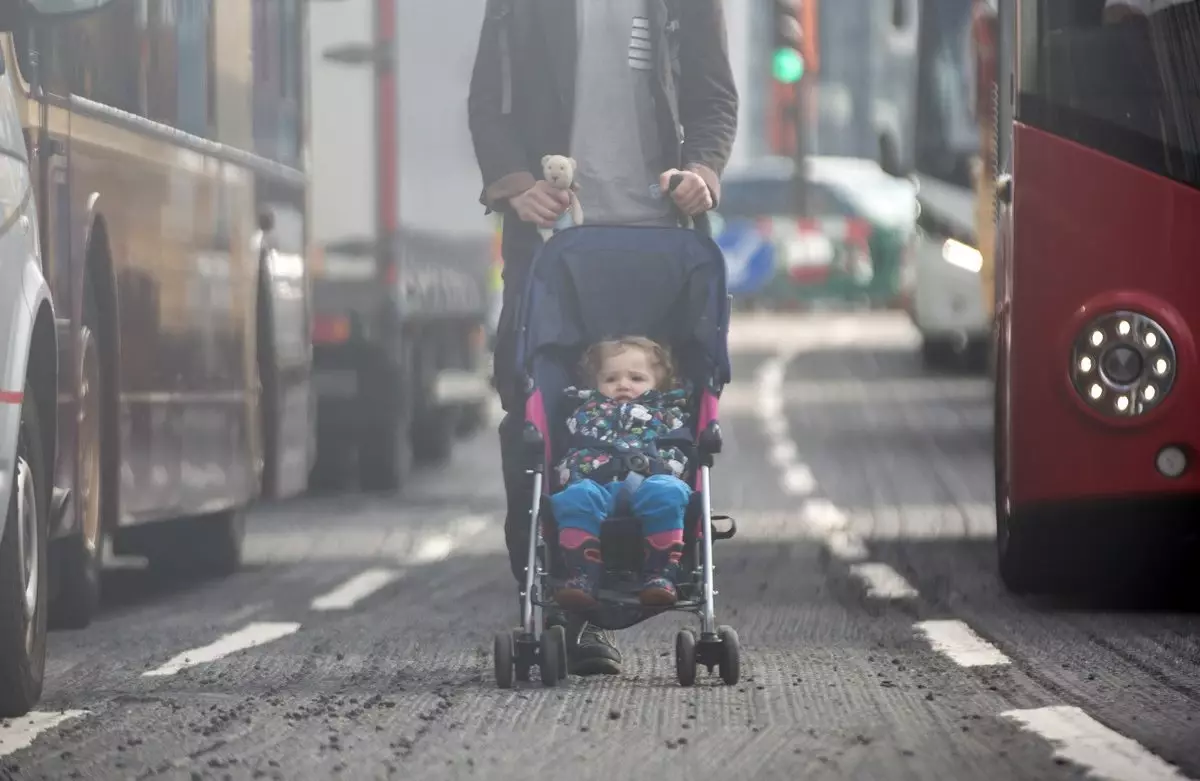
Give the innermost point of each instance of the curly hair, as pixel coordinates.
(660, 358)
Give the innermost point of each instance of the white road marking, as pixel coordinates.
(818, 516)
(798, 480)
(436, 547)
(356, 589)
(846, 545)
(882, 581)
(17, 734)
(775, 427)
(830, 525)
(1080, 739)
(783, 453)
(959, 642)
(249, 636)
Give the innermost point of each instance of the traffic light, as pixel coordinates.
(787, 59)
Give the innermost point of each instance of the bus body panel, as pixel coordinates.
(1093, 234)
(149, 151)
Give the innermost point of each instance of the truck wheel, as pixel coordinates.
(334, 452)
(23, 564)
(433, 435)
(78, 558)
(385, 451)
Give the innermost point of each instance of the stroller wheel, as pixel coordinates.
(731, 656)
(565, 664)
(522, 656)
(685, 657)
(502, 656)
(552, 659)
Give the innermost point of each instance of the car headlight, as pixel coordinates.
(1123, 364)
(962, 255)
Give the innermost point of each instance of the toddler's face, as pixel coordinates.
(626, 375)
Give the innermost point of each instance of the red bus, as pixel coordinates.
(1098, 293)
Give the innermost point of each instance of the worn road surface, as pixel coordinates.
(876, 640)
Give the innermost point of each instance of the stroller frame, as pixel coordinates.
(533, 644)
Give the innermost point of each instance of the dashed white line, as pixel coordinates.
(1080, 739)
(830, 525)
(249, 636)
(775, 427)
(798, 480)
(783, 453)
(959, 642)
(882, 581)
(356, 589)
(437, 547)
(20, 733)
(846, 545)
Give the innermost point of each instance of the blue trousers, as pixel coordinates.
(660, 504)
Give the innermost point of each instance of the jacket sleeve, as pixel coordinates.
(498, 151)
(708, 98)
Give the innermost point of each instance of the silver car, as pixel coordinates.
(28, 401)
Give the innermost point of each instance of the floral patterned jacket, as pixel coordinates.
(619, 427)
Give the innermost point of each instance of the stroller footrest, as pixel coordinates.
(724, 534)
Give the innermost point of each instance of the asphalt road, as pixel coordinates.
(876, 641)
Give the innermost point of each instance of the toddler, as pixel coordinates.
(621, 458)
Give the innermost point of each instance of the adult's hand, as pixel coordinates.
(541, 204)
(692, 195)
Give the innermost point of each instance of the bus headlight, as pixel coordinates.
(1123, 364)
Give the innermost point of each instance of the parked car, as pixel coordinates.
(850, 248)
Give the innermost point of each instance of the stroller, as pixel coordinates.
(590, 283)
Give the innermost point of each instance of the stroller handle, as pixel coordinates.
(700, 223)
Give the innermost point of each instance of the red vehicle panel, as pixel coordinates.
(1097, 291)
(1096, 235)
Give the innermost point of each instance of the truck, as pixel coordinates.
(403, 250)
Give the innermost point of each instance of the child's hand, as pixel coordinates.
(692, 195)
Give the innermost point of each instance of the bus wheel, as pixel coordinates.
(205, 546)
(23, 581)
(1012, 558)
(79, 556)
(1029, 553)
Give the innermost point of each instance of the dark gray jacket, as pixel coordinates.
(522, 93)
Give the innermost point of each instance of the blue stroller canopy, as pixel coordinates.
(598, 282)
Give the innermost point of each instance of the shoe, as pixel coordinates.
(658, 592)
(584, 569)
(590, 650)
(578, 592)
(661, 570)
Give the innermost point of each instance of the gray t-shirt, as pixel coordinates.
(615, 141)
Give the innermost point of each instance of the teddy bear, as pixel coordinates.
(559, 171)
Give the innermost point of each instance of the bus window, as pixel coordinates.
(1118, 76)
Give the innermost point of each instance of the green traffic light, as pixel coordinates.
(788, 66)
